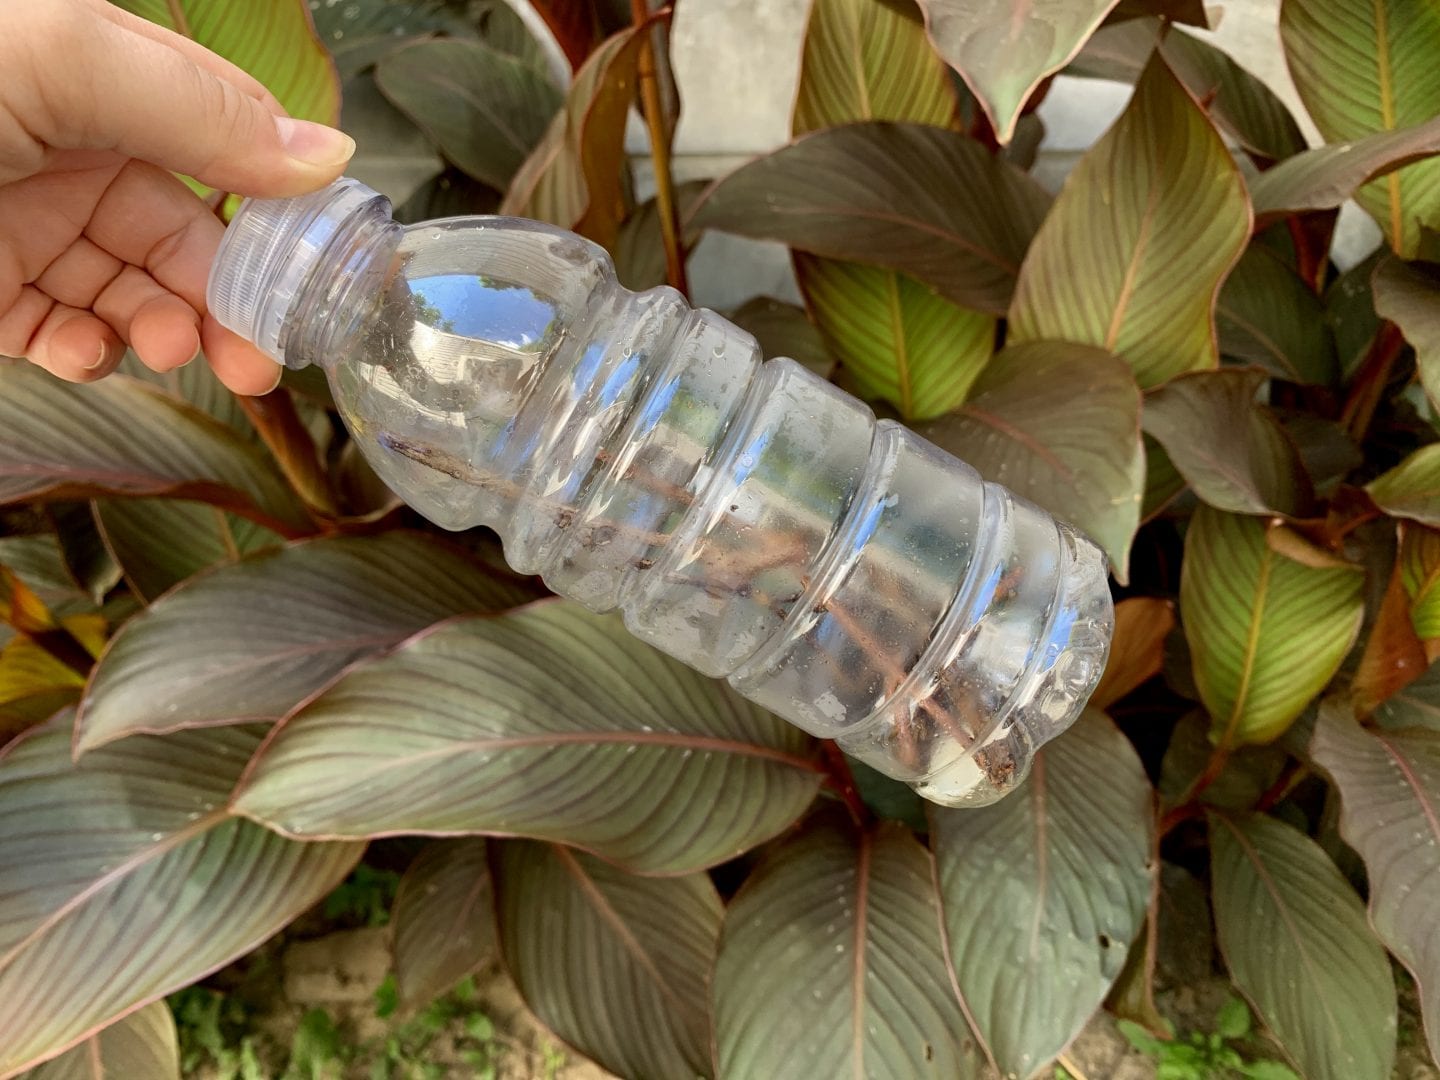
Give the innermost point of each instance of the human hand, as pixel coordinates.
(100, 244)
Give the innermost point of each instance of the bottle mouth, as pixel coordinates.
(267, 254)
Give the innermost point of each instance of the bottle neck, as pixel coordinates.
(342, 288)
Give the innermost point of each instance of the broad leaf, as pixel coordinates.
(1059, 425)
(1004, 49)
(1417, 705)
(1408, 294)
(869, 60)
(832, 964)
(1324, 178)
(271, 39)
(1249, 771)
(639, 251)
(126, 878)
(1419, 566)
(550, 723)
(484, 109)
(1044, 891)
(143, 1045)
(1146, 228)
(1267, 315)
(927, 202)
(616, 965)
(250, 641)
(572, 178)
(1363, 68)
(442, 926)
(360, 32)
(1266, 633)
(1350, 308)
(159, 543)
(1389, 785)
(782, 329)
(1229, 448)
(1137, 648)
(894, 337)
(121, 436)
(1241, 105)
(39, 562)
(1294, 936)
(197, 384)
(897, 340)
(1411, 489)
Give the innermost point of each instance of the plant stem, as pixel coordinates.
(654, 111)
(279, 425)
(842, 782)
(1370, 382)
(1285, 783)
(1189, 805)
(178, 17)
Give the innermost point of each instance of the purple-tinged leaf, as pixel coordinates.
(1230, 449)
(127, 878)
(1043, 892)
(1295, 938)
(248, 642)
(927, 202)
(616, 965)
(141, 1046)
(832, 964)
(442, 926)
(1058, 424)
(548, 722)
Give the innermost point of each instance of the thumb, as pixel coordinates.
(138, 96)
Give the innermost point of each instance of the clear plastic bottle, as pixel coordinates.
(747, 518)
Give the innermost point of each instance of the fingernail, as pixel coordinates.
(102, 359)
(314, 144)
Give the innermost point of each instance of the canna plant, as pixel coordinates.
(231, 658)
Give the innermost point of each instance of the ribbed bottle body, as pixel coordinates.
(746, 517)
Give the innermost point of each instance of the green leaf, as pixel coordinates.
(616, 965)
(1230, 449)
(1267, 315)
(1266, 633)
(1411, 489)
(39, 562)
(1294, 936)
(1324, 178)
(360, 32)
(1408, 294)
(572, 177)
(249, 641)
(271, 39)
(639, 251)
(121, 436)
(1419, 564)
(158, 543)
(1363, 68)
(1043, 892)
(197, 384)
(897, 340)
(1146, 228)
(832, 964)
(549, 723)
(894, 337)
(484, 109)
(1005, 50)
(927, 202)
(1389, 785)
(1233, 1019)
(442, 924)
(870, 60)
(127, 878)
(1059, 425)
(143, 1045)
(782, 329)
